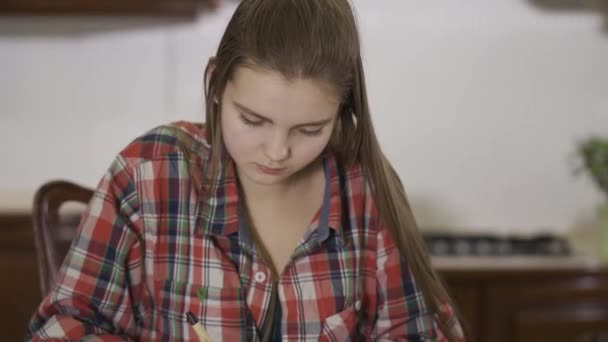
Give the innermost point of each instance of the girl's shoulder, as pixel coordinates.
(354, 177)
(176, 138)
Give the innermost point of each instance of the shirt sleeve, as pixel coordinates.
(101, 274)
(402, 313)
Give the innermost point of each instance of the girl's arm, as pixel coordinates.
(402, 314)
(101, 275)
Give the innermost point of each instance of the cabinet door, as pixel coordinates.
(19, 288)
(566, 307)
(148, 7)
(468, 299)
(580, 323)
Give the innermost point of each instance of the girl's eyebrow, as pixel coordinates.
(262, 117)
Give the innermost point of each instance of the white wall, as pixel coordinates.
(478, 105)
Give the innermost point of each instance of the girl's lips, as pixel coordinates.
(269, 170)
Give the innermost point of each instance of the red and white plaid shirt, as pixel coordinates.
(148, 250)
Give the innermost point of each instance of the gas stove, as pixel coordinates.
(488, 245)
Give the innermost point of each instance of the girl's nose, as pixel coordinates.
(277, 149)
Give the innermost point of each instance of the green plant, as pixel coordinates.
(594, 155)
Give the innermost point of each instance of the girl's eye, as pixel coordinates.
(250, 122)
(311, 133)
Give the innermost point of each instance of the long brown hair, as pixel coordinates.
(318, 39)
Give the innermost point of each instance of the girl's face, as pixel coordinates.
(273, 127)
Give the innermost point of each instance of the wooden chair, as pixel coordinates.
(53, 232)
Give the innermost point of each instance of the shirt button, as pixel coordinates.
(358, 305)
(260, 277)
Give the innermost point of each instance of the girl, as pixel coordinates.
(279, 219)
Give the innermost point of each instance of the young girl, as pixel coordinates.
(279, 219)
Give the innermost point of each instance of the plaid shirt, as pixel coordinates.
(148, 250)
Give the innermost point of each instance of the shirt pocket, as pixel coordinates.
(340, 326)
(221, 311)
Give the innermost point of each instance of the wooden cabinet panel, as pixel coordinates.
(584, 322)
(19, 289)
(19, 294)
(514, 300)
(140, 7)
(514, 305)
(468, 298)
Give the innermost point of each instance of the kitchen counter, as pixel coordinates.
(517, 262)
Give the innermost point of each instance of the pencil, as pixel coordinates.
(198, 328)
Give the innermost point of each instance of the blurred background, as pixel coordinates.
(482, 107)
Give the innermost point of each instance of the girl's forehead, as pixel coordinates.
(266, 83)
(285, 101)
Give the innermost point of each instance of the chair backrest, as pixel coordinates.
(53, 232)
